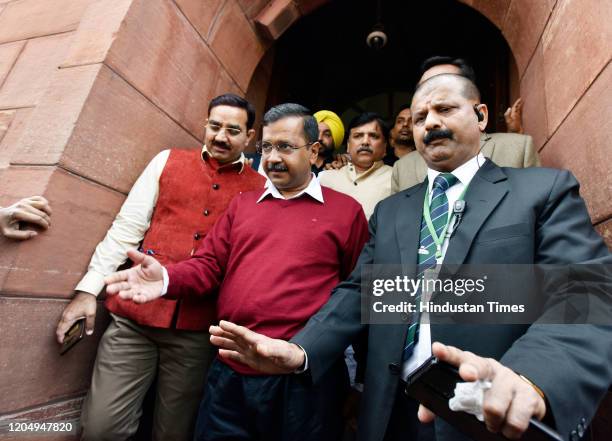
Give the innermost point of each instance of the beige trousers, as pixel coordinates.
(129, 356)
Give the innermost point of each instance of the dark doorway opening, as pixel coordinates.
(323, 60)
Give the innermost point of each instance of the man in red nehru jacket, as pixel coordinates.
(171, 208)
(273, 257)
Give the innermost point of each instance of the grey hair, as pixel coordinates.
(286, 110)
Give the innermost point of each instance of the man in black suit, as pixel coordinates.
(523, 216)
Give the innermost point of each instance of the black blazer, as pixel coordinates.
(533, 215)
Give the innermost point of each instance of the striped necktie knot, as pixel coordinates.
(444, 181)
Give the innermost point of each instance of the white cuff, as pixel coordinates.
(166, 281)
(92, 283)
(305, 368)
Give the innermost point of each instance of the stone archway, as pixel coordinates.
(562, 51)
(323, 61)
(90, 90)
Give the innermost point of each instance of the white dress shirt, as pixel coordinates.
(464, 174)
(313, 190)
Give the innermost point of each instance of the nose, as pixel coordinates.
(221, 135)
(432, 121)
(273, 156)
(366, 140)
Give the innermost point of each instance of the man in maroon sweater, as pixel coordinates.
(171, 207)
(274, 258)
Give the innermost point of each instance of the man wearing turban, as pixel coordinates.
(331, 135)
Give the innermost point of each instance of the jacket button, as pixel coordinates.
(196, 236)
(394, 368)
(206, 212)
(580, 430)
(574, 436)
(215, 186)
(583, 420)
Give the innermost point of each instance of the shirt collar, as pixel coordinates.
(465, 172)
(240, 161)
(351, 171)
(313, 190)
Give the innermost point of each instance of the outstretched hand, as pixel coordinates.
(507, 406)
(142, 283)
(265, 354)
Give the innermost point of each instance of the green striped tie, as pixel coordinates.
(438, 211)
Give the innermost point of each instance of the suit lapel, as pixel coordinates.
(486, 190)
(407, 222)
(409, 215)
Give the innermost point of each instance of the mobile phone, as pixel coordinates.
(433, 384)
(74, 335)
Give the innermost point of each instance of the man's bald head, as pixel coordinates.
(467, 88)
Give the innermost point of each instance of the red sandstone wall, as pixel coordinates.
(90, 90)
(562, 50)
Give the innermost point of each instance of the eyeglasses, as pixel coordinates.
(215, 128)
(283, 148)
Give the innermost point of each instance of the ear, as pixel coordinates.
(250, 134)
(482, 108)
(314, 152)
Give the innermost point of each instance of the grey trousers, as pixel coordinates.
(129, 356)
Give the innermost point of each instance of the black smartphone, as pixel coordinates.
(73, 335)
(433, 384)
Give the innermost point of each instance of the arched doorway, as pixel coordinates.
(323, 60)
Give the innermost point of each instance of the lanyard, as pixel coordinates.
(427, 215)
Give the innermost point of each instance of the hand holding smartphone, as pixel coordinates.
(74, 335)
(433, 384)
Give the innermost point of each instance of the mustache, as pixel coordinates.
(365, 148)
(221, 144)
(277, 166)
(437, 134)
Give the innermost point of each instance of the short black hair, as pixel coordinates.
(368, 117)
(400, 110)
(286, 110)
(464, 67)
(229, 99)
(469, 89)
